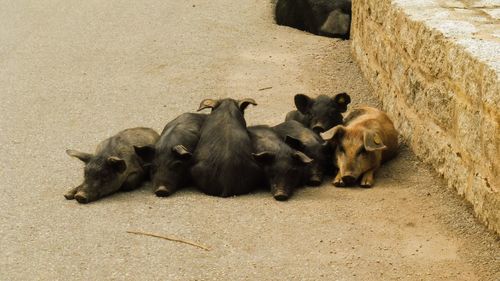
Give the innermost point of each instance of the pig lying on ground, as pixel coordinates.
(312, 145)
(366, 140)
(285, 167)
(223, 160)
(330, 18)
(171, 157)
(114, 166)
(319, 114)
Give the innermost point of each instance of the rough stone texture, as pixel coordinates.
(435, 67)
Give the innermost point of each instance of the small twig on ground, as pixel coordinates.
(170, 239)
(266, 88)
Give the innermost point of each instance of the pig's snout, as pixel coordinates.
(162, 191)
(348, 179)
(279, 193)
(82, 197)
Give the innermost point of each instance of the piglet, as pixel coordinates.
(284, 166)
(311, 144)
(114, 166)
(366, 140)
(171, 157)
(319, 114)
(223, 161)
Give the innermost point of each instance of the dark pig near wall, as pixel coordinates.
(331, 18)
(223, 161)
(114, 166)
(312, 145)
(319, 114)
(171, 157)
(285, 167)
(366, 140)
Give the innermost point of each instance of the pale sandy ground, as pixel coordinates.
(75, 72)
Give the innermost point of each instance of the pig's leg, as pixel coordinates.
(133, 181)
(70, 194)
(368, 179)
(338, 180)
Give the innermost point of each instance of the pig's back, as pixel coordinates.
(298, 131)
(191, 122)
(295, 115)
(223, 159)
(184, 130)
(264, 138)
(122, 144)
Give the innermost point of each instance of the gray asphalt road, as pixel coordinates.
(75, 72)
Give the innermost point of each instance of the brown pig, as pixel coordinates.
(366, 140)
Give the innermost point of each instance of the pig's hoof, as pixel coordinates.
(338, 183)
(81, 199)
(162, 191)
(281, 196)
(366, 184)
(69, 196)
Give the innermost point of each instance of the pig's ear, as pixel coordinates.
(334, 134)
(341, 101)
(117, 164)
(242, 104)
(208, 103)
(264, 157)
(373, 141)
(181, 151)
(302, 158)
(303, 103)
(85, 157)
(146, 153)
(294, 143)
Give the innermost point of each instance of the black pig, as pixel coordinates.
(171, 157)
(114, 166)
(319, 114)
(313, 146)
(285, 167)
(330, 18)
(224, 165)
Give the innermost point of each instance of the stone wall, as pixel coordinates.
(439, 83)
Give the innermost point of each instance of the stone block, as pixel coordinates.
(455, 170)
(490, 134)
(408, 38)
(491, 90)
(468, 130)
(439, 101)
(414, 86)
(433, 53)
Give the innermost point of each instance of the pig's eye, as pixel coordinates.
(361, 150)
